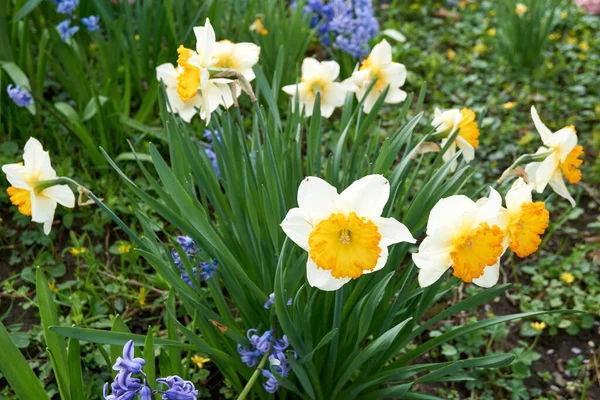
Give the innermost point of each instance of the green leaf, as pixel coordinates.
(26, 9)
(56, 344)
(68, 111)
(75, 374)
(15, 369)
(91, 109)
(112, 338)
(150, 367)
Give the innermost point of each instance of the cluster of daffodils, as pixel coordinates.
(200, 82)
(369, 80)
(32, 189)
(346, 237)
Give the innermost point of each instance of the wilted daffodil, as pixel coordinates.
(26, 191)
(466, 236)
(378, 67)
(240, 57)
(562, 160)
(527, 220)
(344, 234)
(189, 86)
(447, 122)
(318, 77)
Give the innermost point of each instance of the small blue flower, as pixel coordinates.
(66, 6)
(212, 156)
(178, 389)
(19, 96)
(176, 259)
(185, 277)
(91, 22)
(124, 387)
(66, 30)
(127, 363)
(211, 135)
(249, 357)
(208, 269)
(280, 364)
(260, 346)
(146, 393)
(271, 301)
(271, 385)
(187, 243)
(281, 345)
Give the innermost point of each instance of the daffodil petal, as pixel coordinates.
(366, 197)
(37, 161)
(544, 172)
(519, 193)
(167, 73)
(297, 228)
(542, 129)
(383, 257)
(330, 70)
(490, 276)
(42, 208)
(564, 140)
(558, 185)
(381, 53)
(322, 279)
(392, 231)
(62, 194)
(468, 150)
(451, 212)
(316, 198)
(16, 175)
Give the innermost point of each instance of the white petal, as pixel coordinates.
(322, 279)
(297, 227)
(392, 231)
(542, 129)
(37, 161)
(381, 261)
(336, 94)
(564, 141)
(395, 96)
(167, 73)
(205, 36)
(48, 226)
(544, 172)
(451, 213)
(491, 210)
(246, 54)
(291, 89)
(558, 185)
(370, 100)
(311, 69)
(327, 110)
(381, 53)
(468, 150)
(316, 198)
(433, 258)
(366, 197)
(395, 74)
(519, 193)
(42, 208)
(331, 70)
(17, 175)
(490, 276)
(62, 194)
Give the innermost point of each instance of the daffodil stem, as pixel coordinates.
(254, 377)
(523, 159)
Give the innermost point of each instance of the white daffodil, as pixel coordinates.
(189, 86)
(344, 234)
(318, 77)
(240, 57)
(527, 220)
(464, 235)
(24, 178)
(448, 122)
(379, 67)
(562, 160)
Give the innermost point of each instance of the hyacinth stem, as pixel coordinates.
(254, 377)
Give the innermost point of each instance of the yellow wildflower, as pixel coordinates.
(124, 248)
(582, 57)
(539, 326)
(474, 6)
(584, 46)
(414, 6)
(491, 32)
(567, 277)
(77, 251)
(258, 27)
(200, 361)
(137, 36)
(93, 46)
(571, 40)
(510, 105)
(52, 286)
(554, 36)
(479, 48)
(521, 9)
(492, 13)
(142, 296)
(451, 54)
(563, 15)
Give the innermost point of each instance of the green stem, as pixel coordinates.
(524, 159)
(254, 377)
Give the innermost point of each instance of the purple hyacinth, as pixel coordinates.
(211, 135)
(179, 389)
(271, 385)
(271, 301)
(19, 96)
(91, 22)
(187, 243)
(208, 269)
(65, 30)
(260, 345)
(212, 156)
(124, 387)
(128, 363)
(66, 6)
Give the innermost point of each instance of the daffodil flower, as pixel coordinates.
(189, 86)
(344, 234)
(466, 236)
(448, 122)
(563, 159)
(26, 193)
(527, 220)
(318, 77)
(378, 67)
(240, 57)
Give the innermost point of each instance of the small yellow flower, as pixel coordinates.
(521, 9)
(414, 6)
(549, 64)
(479, 48)
(582, 57)
(142, 296)
(563, 15)
(584, 46)
(571, 40)
(437, 5)
(258, 27)
(200, 361)
(474, 6)
(52, 286)
(539, 326)
(510, 105)
(93, 46)
(77, 251)
(554, 36)
(491, 32)
(451, 54)
(462, 3)
(124, 248)
(567, 277)
(492, 13)
(137, 36)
